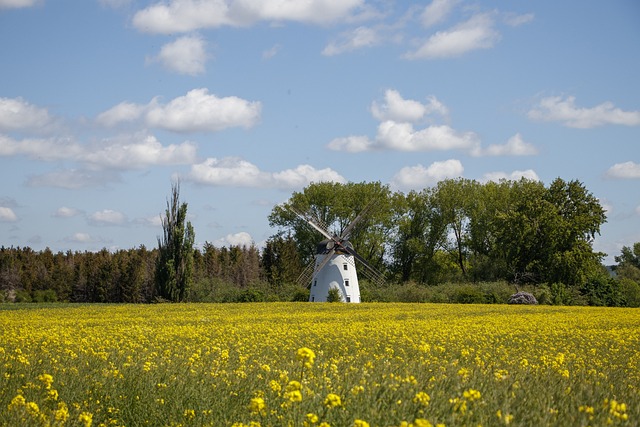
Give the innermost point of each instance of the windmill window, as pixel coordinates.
(344, 266)
(348, 299)
(346, 282)
(315, 282)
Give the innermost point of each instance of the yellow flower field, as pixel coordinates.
(300, 364)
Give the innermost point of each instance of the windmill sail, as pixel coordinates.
(334, 266)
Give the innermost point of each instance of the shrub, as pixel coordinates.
(522, 298)
(334, 295)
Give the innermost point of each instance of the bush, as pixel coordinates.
(468, 294)
(334, 295)
(523, 298)
(630, 292)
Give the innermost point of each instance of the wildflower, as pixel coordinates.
(422, 398)
(275, 386)
(421, 422)
(189, 414)
(472, 395)
(86, 418)
(61, 414)
(332, 400)
(311, 419)
(257, 405)
(360, 423)
(46, 380)
(307, 356)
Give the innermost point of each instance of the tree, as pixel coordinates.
(174, 267)
(336, 205)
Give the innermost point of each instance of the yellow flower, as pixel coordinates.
(332, 400)
(422, 398)
(307, 356)
(472, 395)
(360, 423)
(86, 418)
(257, 405)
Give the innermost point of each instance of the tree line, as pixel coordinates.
(459, 231)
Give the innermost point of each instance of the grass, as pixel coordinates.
(273, 364)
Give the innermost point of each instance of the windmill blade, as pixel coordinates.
(371, 273)
(312, 222)
(347, 231)
(307, 274)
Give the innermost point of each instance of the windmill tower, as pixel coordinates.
(334, 266)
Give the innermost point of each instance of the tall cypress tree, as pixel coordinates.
(174, 267)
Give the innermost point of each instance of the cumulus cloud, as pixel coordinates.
(476, 33)
(564, 110)
(107, 217)
(80, 238)
(125, 152)
(7, 214)
(513, 176)
(16, 114)
(396, 108)
(66, 212)
(348, 41)
(137, 152)
(515, 20)
(437, 11)
(199, 111)
(238, 239)
(121, 113)
(515, 146)
(396, 132)
(402, 137)
(626, 170)
(236, 172)
(417, 177)
(189, 15)
(186, 55)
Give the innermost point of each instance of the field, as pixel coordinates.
(300, 364)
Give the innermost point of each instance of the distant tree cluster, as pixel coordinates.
(457, 232)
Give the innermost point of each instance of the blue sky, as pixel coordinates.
(104, 102)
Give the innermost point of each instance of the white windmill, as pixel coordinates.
(334, 266)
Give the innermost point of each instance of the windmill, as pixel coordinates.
(334, 266)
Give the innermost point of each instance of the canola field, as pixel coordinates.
(318, 365)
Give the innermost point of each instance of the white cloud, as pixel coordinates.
(121, 113)
(15, 4)
(515, 146)
(402, 137)
(186, 55)
(198, 111)
(476, 33)
(107, 217)
(238, 239)
(513, 176)
(358, 38)
(437, 11)
(557, 109)
(137, 152)
(125, 152)
(417, 177)
(626, 170)
(188, 15)
(236, 172)
(351, 144)
(399, 109)
(16, 114)
(80, 238)
(7, 214)
(66, 212)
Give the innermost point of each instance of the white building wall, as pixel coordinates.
(339, 273)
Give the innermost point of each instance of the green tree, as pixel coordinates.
(336, 205)
(174, 267)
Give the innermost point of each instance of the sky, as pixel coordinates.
(105, 103)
